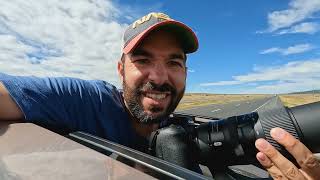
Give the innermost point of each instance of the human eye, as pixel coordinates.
(141, 61)
(176, 63)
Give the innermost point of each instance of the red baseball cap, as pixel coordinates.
(139, 29)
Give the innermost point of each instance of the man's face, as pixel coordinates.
(154, 77)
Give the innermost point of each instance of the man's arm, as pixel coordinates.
(58, 103)
(9, 110)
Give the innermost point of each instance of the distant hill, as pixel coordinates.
(306, 92)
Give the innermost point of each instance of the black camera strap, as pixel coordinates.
(152, 143)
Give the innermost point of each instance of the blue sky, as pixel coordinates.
(266, 46)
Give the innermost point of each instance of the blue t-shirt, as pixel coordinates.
(70, 104)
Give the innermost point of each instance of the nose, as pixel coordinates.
(159, 74)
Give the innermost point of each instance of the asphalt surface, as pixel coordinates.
(220, 111)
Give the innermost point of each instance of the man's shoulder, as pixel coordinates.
(104, 86)
(61, 86)
(101, 85)
(101, 88)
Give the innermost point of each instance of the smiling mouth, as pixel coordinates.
(156, 96)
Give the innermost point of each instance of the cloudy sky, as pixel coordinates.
(245, 47)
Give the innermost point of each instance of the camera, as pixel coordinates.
(218, 144)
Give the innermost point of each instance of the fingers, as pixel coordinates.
(275, 163)
(299, 151)
(270, 167)
(278, 166)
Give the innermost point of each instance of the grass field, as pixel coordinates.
(291, 100)
(192, 100)
(201, 99)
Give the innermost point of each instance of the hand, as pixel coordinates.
(281, 168)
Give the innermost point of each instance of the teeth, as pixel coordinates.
(156, 96)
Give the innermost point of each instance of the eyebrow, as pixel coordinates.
(177, 56)
(142, 52)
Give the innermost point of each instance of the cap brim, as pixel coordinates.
(187, 36)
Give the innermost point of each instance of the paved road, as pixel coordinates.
(218, 111)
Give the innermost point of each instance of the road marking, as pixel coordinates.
(238, 105)
(262, 105)
(216, 110)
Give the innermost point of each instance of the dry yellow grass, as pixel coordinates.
(291, 100)
(191, 100)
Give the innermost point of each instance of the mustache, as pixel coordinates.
(161, 88)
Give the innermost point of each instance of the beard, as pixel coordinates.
(132, 97)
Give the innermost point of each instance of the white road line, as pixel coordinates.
(196, 108)
(216, 110)
(238, 105)
(262, 105)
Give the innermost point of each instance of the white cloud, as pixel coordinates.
(308, 28)
(293, 76)
(298, 11)
(60, 38)
(221, 83)
(296, 49)
(271, 50)
(191, 70)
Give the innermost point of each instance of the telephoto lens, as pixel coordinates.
(303, 122)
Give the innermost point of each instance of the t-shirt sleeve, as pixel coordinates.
(65, 103)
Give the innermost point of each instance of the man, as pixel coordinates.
(153, 73)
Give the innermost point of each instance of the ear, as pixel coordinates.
(120, 69)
